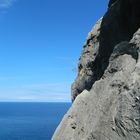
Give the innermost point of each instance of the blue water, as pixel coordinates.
(30, 121)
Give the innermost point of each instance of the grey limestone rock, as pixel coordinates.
(111, 109)
(118, 24)
(106, 92)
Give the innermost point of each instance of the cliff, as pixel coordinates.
(106, 92)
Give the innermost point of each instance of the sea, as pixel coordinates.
(30, 121)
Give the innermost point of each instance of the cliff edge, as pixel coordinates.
(106, 92)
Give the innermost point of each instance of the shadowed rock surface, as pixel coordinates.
(119, 24)
(106, 92)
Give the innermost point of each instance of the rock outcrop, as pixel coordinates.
(118, 24)
(106, 92)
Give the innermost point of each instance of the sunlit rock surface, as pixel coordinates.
(106, 92)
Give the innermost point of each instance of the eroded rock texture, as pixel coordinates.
(106, 92)
(118, 24)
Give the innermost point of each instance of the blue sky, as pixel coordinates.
(40, 43)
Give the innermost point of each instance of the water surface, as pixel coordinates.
(30, 121)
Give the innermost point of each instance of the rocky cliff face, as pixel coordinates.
(106, 92)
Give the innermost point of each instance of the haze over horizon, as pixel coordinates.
(40, 44)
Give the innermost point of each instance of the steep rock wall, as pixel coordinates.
(118, 24)
(106, 92)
